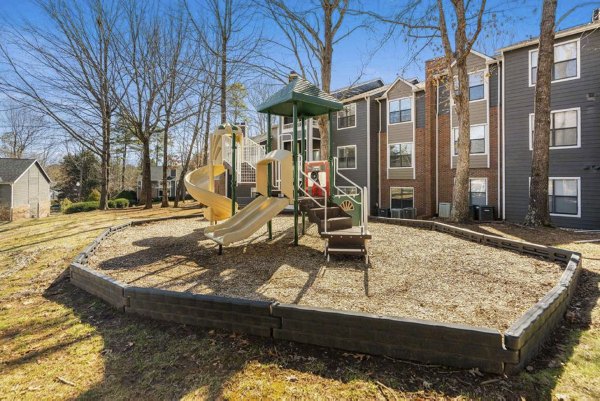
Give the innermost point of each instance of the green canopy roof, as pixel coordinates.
(310, 100)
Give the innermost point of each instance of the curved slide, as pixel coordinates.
(247, 221)
(197, 183)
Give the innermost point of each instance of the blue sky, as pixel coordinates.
(352, 58)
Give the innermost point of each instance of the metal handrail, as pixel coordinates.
(363, 195)
(301, 173)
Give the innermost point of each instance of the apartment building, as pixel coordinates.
(485, 112)
(399, 140)
(574, 185)
(355, 139)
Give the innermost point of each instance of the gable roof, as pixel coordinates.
(310, 100)
(12, 169)
(413, 83)
(560, 34)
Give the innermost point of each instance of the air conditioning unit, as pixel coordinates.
(409, 213)
(397, 213)
(444, 210)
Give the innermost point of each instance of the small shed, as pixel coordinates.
(24, 189)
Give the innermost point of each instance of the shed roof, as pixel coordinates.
(311, 101)
(12, 169)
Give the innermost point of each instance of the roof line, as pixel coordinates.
(560, 34)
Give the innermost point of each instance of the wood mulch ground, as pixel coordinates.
(413, 272)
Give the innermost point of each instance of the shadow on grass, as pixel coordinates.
(149, 359)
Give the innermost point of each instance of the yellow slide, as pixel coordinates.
(261, 210)
(198, 184)
(247, 221)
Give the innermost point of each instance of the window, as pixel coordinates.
(345, 190)
(477, 191)
(400, 155)
(476, 85)
(346, 156)
(565, 62)
(346, 118)
(564, 129)
(477, 134)
(563, 196)
(401, 197)
(400, 111)
(173, 173)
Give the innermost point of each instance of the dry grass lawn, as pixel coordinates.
(57, 342)
(413, 273)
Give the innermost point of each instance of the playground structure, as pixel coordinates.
(283, 178)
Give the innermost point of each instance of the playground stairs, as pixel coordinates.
(342, 238)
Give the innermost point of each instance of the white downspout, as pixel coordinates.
(503, 145)
(498, 136)
(368, 99)
(437, 148)
(379, 153)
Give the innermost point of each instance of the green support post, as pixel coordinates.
(269, 171)
(330, 154)
(295, 161)
(303, 152)
(234, 173)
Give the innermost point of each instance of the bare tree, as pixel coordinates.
(456, 62)
(23, 129)
(312, 33)
(179, 65)
(142, 82)
(73, 69)
(537, 213)
(227, 31)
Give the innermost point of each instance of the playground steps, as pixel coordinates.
(340, 236)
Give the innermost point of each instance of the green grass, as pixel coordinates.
(57, 342)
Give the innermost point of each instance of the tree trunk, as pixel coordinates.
(165, 196)
(146, 174)
(105, 163)
(326, 60)
(223, 85)
(460, 192)
(124, 165)
(537, 213)
(206, 136)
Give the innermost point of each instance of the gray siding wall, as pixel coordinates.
(354, 136)
(21, 191)
(519, 99)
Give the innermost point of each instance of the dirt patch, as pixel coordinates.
(413, 272)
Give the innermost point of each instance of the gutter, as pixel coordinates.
(379, 153)
(503, 142)
(368, 99)
(498, 122)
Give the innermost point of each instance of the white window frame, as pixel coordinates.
(355, 117)
(337, 152)
(486, 188)
(577, 109)
(412, 155)
(399, 100)
(486, 137)
(346, 189)
(531, 84)
(578, 179)
(413, 191)
(485, 85)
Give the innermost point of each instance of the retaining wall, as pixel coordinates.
(420, 340)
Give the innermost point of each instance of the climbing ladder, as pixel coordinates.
(343, 235)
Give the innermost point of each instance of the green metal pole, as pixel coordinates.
(330, 152)
(295, 157)
(269, 172)
(303, 151)
(233, 175)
